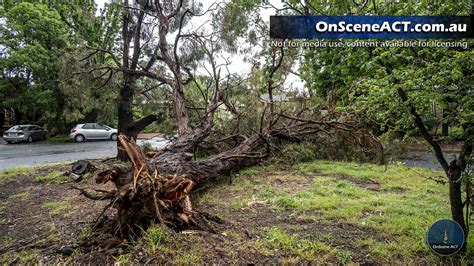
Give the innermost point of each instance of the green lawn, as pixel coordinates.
(395, 201)
(13, 173)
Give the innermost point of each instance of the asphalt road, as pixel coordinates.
(40, 152)
(28, 154)
(424, 159)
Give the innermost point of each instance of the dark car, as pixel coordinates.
(27, 133)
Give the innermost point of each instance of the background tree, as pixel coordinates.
(91, 96)
(396, 89)
(33, 39)
(43, 61)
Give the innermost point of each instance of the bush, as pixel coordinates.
(339, 146)
(59, 138)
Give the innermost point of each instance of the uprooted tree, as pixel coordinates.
(166, 53)
(156, 188)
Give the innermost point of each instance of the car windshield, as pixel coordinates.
(18, 128)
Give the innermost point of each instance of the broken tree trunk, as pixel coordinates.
(145, 195)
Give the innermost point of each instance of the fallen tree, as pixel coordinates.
(155, 189)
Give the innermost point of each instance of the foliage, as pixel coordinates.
(339, 146)
(42, 44)
(412, 91)
(88, 85)
(33, 37)
(369, 77)
(59, 138)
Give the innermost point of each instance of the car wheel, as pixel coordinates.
(9, 142)
(30, 139)
(79, 138)
(113, 137)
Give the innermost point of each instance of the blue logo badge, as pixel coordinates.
(445, 237)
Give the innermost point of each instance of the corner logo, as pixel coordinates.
(445, 237)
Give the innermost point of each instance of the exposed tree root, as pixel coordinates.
(144, 196)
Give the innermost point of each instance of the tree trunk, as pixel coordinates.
(125, 115)
(17, 116)
(181, 112)
(444, 127)
(157, 189)
(455, 198)
(2, 119)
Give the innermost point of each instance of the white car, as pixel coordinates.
(92, 131)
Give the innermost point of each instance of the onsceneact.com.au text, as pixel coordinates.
(396, 26)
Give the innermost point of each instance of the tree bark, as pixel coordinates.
(157, 190)
(126, 123)
(125, 114)
(444, 127)
(17, 114)
(455, 198)
(2, 119)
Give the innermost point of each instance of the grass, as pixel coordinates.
(23, 257)
(8, 174)
(122, 259)
(86, 233)
(56, 207)
(189, 257)
(59, 138)
(55, 176)
(20, 196)
(396, 202)
(390, 207)
(154, 236)
(292, 244)
(12, 173)
(406, 216)
(6, 242)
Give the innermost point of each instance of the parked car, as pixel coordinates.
(27, 133)
(89, 131)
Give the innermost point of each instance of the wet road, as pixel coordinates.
(424, 159)
(27, 154)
